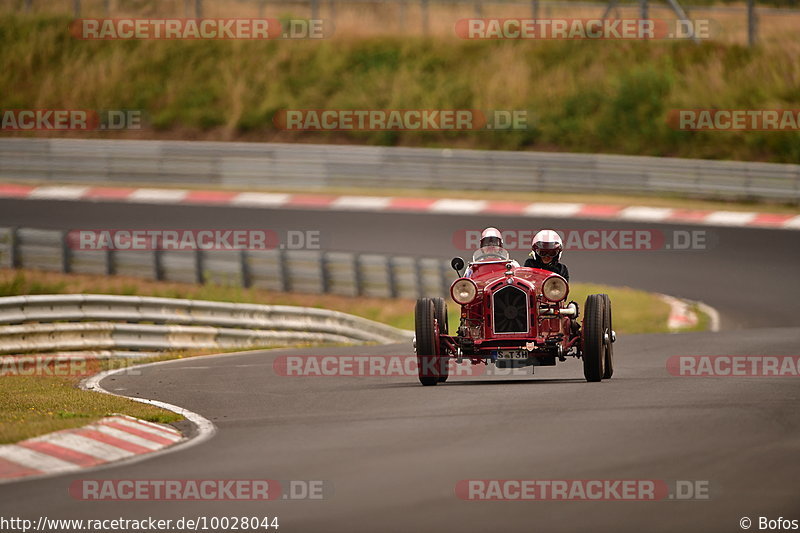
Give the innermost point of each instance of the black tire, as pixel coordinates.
(609, 327)
(425, 331)
(593, 345)
(440, 312)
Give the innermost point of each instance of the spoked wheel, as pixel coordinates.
(440, 312)
(608, 339)
(594, 347)
(428, 359)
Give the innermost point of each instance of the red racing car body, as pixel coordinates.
(512, 317)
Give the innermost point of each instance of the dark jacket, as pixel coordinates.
(554, 266)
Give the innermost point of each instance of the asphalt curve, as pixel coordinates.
(392, 451)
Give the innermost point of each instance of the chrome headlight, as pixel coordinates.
(555, 288)
(463, 291)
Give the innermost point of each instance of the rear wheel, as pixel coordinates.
(608, 337)
(440, 312)
(594, 352)
(427, 342)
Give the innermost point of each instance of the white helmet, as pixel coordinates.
(547, 243)
(491, 237)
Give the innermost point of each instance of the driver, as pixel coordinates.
(491, 237)
(491, 249)
(546, 254)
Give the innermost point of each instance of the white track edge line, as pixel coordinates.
(713, 314)
(204, 427)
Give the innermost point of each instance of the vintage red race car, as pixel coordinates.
(512, 317)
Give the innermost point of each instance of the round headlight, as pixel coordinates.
(463, 291)
(555, 288)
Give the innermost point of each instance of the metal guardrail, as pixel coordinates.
(85, 322)
(274, 165)
(304, 271)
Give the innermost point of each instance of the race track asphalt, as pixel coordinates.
(392, 451)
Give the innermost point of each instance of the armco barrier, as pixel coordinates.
(274, 165)
(85, 322)
(305, 271)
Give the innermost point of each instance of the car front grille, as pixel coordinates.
(510, 310)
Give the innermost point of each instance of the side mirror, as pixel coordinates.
(457, 263)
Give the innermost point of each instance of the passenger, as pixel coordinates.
(546, 253)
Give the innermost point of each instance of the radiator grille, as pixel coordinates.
(510, 310)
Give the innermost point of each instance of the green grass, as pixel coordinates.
(31, 406)
(608, 96)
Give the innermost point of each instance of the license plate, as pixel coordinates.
(512, 354)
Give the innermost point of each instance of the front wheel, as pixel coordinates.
(594, 347)
(428, 359)
(440, 312)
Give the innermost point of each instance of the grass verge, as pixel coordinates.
(34, 405)
(580, 96)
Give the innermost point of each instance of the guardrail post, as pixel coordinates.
(314, 9)
(66, 253)
(325, 267)
(76, 8)
(478, 10)
(391, 268)
(13, 247)
(158, 263)
(28, 6)
(424, 8)
(418, 278)
(198, 9)
(332, 7)
(283, 271)
(198, 266)
(797, 187)
(535, 9)
(444, 271)
(752, 23)
(244, 269)
(358, 275)
(111, 262)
